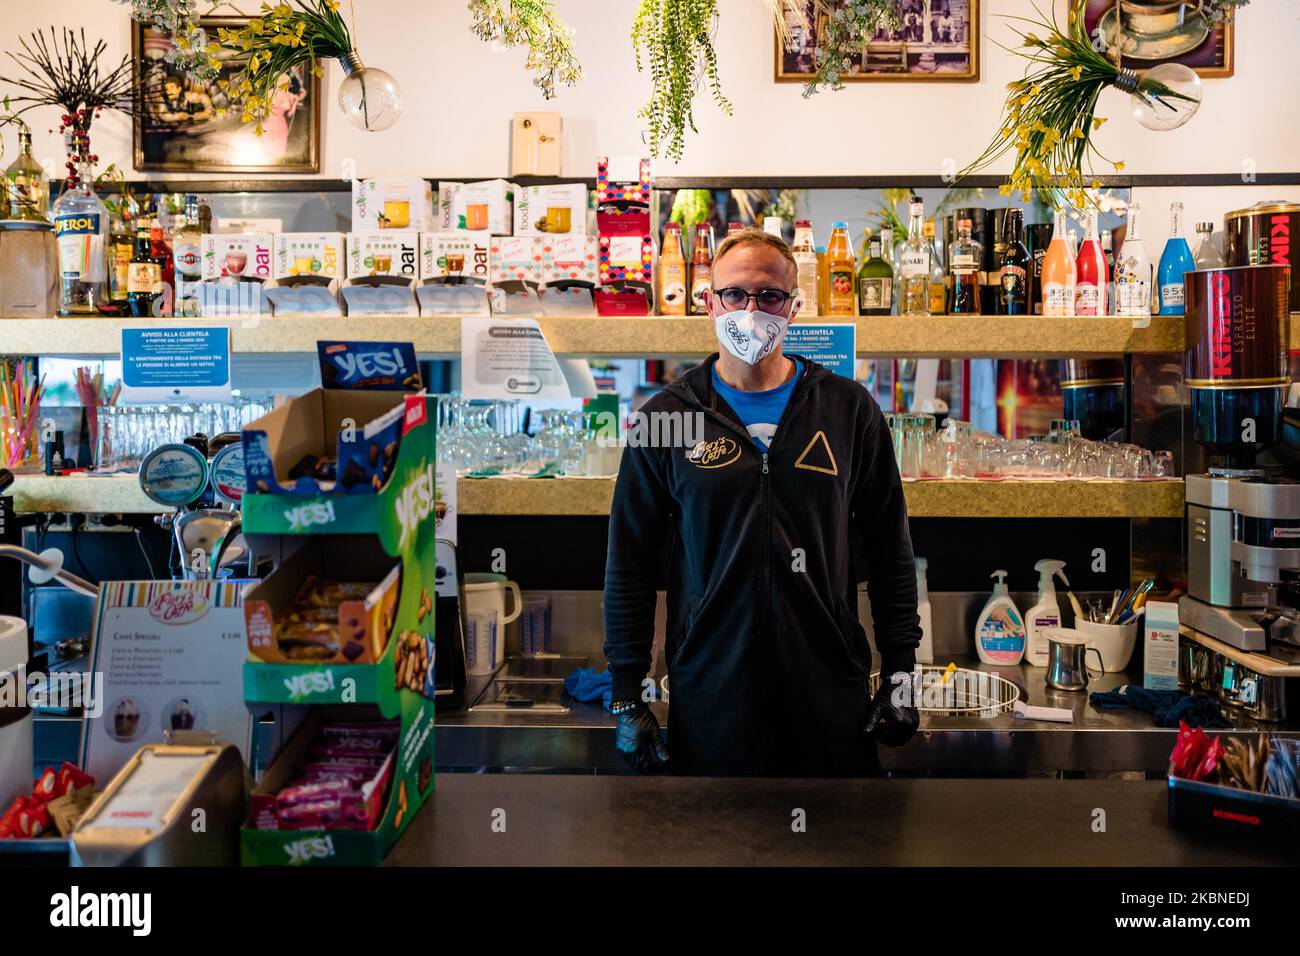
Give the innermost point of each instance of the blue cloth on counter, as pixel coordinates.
(1167, 707)
(586, 685)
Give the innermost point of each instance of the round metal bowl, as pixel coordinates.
(960, 693)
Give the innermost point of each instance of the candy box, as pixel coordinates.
(325, 605)
(327, 425)
(515, 259)
(455, 255)
(383, 254)
(281, 800)
(484, 205)
(551, 210)
(308, 254)
(237, 256)
(570, 258)
(399, 204)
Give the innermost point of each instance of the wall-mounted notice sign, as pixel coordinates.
(832, 344)
(175, 364)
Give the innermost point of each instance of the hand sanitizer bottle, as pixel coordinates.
(1045, 614)
(1000, 631)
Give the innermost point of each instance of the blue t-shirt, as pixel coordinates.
(759, 412)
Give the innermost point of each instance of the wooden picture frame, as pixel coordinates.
(176, 129)
(913, 53)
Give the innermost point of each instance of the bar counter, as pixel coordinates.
(569, 820)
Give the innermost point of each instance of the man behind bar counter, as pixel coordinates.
(791, 493)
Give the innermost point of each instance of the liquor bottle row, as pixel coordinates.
(1035, 270)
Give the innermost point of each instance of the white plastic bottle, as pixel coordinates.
(1046, 613)
(924, 650)
(1000, 631)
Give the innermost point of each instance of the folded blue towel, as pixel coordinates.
(1167, 707)
(585, 684)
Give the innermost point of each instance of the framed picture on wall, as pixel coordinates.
(178, 129)
(936, 40)
(1151, 32)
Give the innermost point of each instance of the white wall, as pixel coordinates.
(460, 95)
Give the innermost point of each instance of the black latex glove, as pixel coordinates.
(888, 723)
(640, 741)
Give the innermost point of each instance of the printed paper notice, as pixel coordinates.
(508, 358)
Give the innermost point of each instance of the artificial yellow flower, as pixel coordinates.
(1098, 121)
(1119, 167)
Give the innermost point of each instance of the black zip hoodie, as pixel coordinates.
(767, 661)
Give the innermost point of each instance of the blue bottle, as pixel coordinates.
(1174, 262)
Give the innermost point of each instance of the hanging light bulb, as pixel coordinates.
(1165, 98)
(369, 98)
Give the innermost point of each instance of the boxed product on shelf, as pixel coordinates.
(551, 210)
(383, 254)
(237, 256)
(572, 258)
(325, 605)
(626, 259)
(515, 259)
(400, 204)
(308, 254)
(334, 775)
(460, 254)
(326, 442)
(623, 196)
(483, 205)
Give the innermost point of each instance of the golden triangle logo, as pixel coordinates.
(818, 456)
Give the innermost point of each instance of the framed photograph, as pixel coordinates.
(177, 128)
(937, 40)
(1151, 32)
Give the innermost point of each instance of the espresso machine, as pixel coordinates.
(1243, 520)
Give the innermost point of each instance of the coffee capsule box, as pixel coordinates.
(551, 210)
(237, 256)
(308, 254)
(516, 259)
(398, 204)
(459, 253)
(483, 205)
(570, 258)
(383, 254)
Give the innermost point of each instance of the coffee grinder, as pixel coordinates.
(1243, 521)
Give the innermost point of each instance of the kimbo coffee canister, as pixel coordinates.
(1264, 234)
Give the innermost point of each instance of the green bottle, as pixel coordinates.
(875, 283)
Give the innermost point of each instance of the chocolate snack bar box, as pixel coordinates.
(322, 605)
(308, 254)
(236, 256)
(383, 254)
(392, 204)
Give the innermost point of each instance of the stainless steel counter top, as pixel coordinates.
(570, 820)
(1099, 741)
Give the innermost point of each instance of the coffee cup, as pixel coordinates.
(1153, 19)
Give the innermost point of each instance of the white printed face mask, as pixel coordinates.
(750, 336)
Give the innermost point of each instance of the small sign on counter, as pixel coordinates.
(508, 358)
(832, 344)
(176, 364)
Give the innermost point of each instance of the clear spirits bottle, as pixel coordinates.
(1133, 270)
(914, 264)
(81, 229)
(1208, 255)
(186, 255)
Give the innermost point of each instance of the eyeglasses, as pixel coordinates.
(767, 300)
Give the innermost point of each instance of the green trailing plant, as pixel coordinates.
(1049, 116)
(673, 41)
(536, 25)
(691, 206)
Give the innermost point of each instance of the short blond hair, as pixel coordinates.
(757, 237)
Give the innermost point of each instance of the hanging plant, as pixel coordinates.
(848, 26)
(673, 39)
(1049, 116)
(534, 24)
(64, 71)
(191, 50)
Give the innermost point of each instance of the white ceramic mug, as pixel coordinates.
(481, 591)
(1114, 642)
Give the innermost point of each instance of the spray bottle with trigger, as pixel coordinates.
(1045, 614)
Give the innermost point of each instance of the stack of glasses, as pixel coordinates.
(488, 439)
(956, 450)
(129, 432)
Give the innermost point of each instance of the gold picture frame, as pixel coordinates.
(912, 53)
